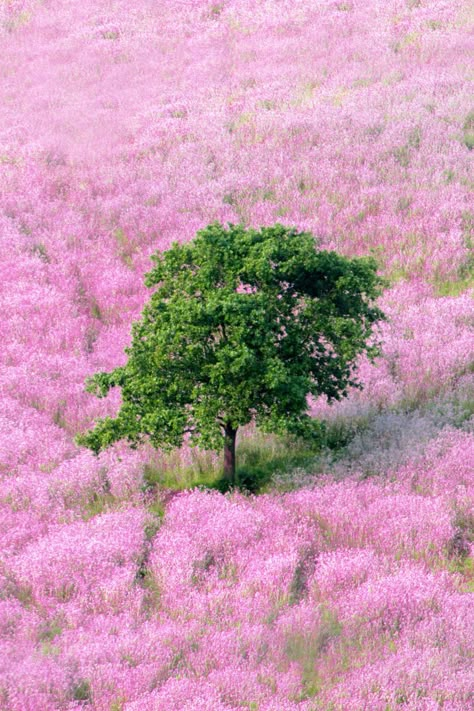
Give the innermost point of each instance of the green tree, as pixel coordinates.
(242, 325)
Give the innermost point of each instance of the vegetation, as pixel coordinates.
(127, 582)
(243, 325)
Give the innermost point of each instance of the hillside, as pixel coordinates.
(347, 583)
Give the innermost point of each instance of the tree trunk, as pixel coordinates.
(229, 454)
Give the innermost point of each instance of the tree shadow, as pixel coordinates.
(261, 457)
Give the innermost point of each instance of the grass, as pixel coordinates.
(50, 629)
(169, 473)
(152, 593)
(304, 649)
(118, 703)
(268, 462)
(261, 462)
(265, 462)
(96, 503)
(259, 458)
(464, 568)
(81, 691)
(454, 287)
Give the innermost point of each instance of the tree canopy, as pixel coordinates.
(242, 325)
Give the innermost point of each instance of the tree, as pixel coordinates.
(242, 326)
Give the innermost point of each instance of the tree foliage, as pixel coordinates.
(242, 325)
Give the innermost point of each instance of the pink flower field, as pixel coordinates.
(347, 584)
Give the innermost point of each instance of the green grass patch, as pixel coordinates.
(50, 629)
(263, 462)
(464, 567)
(82, 691)
(305, 649)
(48, 649)
(454, 287)
(169, 472)
(118, 703)
(96, 503)
(151, 593)
(468, 140)
(262, 456)
(21, 592)
(259, 457)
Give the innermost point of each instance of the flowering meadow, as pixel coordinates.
(125, 126)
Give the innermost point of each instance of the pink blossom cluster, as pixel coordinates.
(426, 349)
(349, 593)
(122, 128)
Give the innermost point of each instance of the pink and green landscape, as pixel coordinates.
(127, 582)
